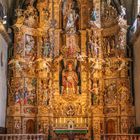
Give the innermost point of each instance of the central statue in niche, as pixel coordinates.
(69, 79)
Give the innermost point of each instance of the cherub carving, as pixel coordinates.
(44, 64)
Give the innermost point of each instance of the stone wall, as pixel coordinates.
(3, 82)
(131, 10)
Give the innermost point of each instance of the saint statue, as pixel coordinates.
(93, 15)
(69, 80)
(70, 11)
(123, 11)
(29, 45)
(136, 25)
(46, 50)
(72, 20)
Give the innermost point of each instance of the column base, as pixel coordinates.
(137, 130)
(2, 130)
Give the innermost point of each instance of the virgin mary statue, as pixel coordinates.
(70, 12)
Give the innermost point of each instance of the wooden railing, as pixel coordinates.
(23, 137)
(120, 137)
(44, 137)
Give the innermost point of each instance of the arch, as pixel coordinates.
(30, 126)
(70, 125)
(61, 14)
(110, 126)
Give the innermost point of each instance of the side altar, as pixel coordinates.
(69, 73)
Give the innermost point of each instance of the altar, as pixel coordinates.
(71, 134)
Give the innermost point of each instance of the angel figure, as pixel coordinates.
(95, 91)
(96, 65)
(80, 57)
(123, 63)
(44, 64)
(20, 17)
(17, 63)
(123, 12)
(93, 48)
(30, 67)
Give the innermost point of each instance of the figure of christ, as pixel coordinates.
(69, 80)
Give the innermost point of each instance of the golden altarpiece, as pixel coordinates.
(69, 75)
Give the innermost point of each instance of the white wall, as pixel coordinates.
(3, 83)
(138, 6)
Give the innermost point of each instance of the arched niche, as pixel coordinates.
(111, 126)
(85, 9)
(30, 126)
(71, 125)
(65, 6)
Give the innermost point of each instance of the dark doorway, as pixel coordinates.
(110, 126)
(30, 127)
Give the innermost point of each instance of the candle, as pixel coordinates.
(60, 120)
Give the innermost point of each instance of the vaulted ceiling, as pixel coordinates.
(131, 6)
